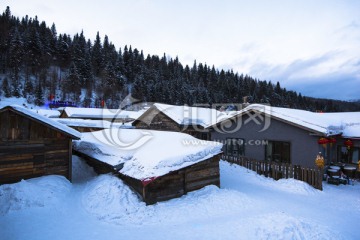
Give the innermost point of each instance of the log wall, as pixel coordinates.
(29, 149)
(178, 183)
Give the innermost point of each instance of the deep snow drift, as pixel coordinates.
(247, 206)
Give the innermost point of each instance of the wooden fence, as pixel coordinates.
(279, 170)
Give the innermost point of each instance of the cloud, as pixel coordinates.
(333, 75)
(333, 87)
(354, 25)
(293, 70)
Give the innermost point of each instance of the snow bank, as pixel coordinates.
(109, 199)
(294, 186)
(247, 206)
(279, 225)
(146, 153)
(81, 172)
(284, 185)
(38, 192)
(209, 202)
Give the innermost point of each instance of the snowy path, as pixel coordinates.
(247, 206)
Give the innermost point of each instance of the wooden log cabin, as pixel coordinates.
(32, 145)
(191, 120)
(176, 183)
(155, 175)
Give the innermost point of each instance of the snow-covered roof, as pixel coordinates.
(185, 115)
(102, 124)
(349, 122)
(47, 121)
(47, 112)
(351, 131)
(101, 113)
(323, 123)
(343, 118)
(145, 154)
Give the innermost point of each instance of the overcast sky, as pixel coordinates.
(310, 46)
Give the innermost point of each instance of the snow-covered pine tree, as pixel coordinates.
(39, 95)
(97, 57)
(16, 54)
(6, 87)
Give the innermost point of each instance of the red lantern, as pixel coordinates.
(332, 140)
(323, 141)
(348, 143)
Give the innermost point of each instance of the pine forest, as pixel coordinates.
(41, 65)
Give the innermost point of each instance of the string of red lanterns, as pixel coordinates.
(323, 141)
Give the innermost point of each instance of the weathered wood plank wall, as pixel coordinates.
(29, 149)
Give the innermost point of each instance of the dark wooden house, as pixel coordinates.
(191, 120)
(177, 183)
(171, 185)
(32, 145)
(160, 182)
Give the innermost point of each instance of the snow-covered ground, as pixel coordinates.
(16, 101)
(247, 206)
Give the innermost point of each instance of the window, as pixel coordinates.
(348, 156)
(278, 151)
(235, 147)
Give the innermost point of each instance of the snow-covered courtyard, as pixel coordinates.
(247, 206)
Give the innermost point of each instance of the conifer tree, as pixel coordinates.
(39, 95)
(28, 88)
(97, 57)
(71, 84)
(16, 54)
(6, 88)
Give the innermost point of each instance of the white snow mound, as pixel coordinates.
(38, 192)
(81, 172)
(109, 199)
